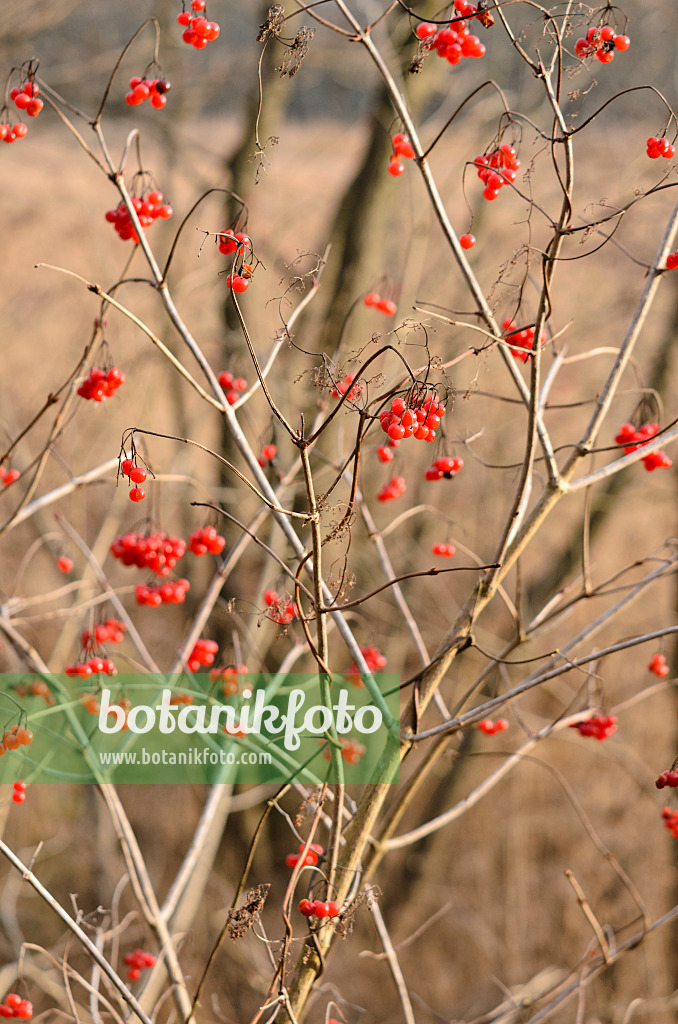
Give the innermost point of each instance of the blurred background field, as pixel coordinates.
(496, 875)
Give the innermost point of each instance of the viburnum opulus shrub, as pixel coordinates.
(392, 393)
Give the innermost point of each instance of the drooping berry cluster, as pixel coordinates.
(147, 210)
(385, 453)
(603, 42)
(375, 661)
(230, 241)
(599, 726)
(136, 475)
(446, 467)
(455, 42)
(154, 551)
(668, 778)
(198, 31)
(15, 1006)
(229, 677)
(155, 594)
(658, 665)
(91, 703)
(313, 855)
(490, 728)
(141, 89)
(36, 688)
(8, 476)
(92, 667)
(112, 631)
(17, 736)
(443, 550)
(671, 821)
(12, 132)
(101, 384)
(19, 792)
(137, 962)
(395, 488)
(413, 416)
(181, 698)
(206, 540)
(232, 386)
(267, 454)
(203, 653)
(25, 98)
(521, 340)
(375, 300)
(281, 610)
(351, 750)
(402, 150)
(658, 146)
(316, 908)
(633, 439)
(496, 169)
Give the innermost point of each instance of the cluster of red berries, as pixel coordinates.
(385, 451)
(313, 855)
(112, 631)
(657, 147)
(12, 132)
(446, 466)
(147, 210)
(603, 42)
(170, 592)
(385, 306)
(633, 439)
(90, 703)
(19, 792)
(668, 778)
(443, 550)
(16, 737)
(25, 97)
(351, 750)
(143, 89)
(490, 728)
(137, 962)
(658, 665)
(347, 385)
(64, 563)
(455, 42)
(316, 908)
(229, 678)
(92, 667)
(15, 1006)
(36, 688)
(374, 660)
(496, 169)
(283, 611)
(136, 475)
(394, 489)
(203, 653)
(198, 31)
(402, 149)
(413, 416)
(154, 551)
(206, 540)
(671, 821)
(268, 453)
(8, 476)
(232, 386)
(230, 241)
(181, 698)
(100, 384)
(522, 339)
(239, 282)
(600, 726)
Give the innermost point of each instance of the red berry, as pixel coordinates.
(64, 564)
(137, 494)
(467, 241)
(137, 475)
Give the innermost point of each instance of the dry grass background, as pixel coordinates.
(498, 872)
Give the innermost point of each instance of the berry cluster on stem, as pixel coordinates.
(455, 42)
(281, 610)
(658, 146)
(203, 654)
(148, 210)
(141, 89)
(100, 384)
(19, 791)
(375, 661)
(313, 855)
(25, 98)
(658, 665)
(112, 631)
(496, 169)
(599, 726)
(318, 908)
(206, 540)
(15, 1006)
(232, 386)
(137, 962)
(633, 439)
(521, 340)
(490, 728)
(603, 42)
(155, 551)
(156, 594)
(384, 305)
(17, 736)
(198, 31)
(229, 677)
(94, 666)
(446, 467)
